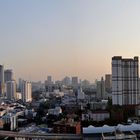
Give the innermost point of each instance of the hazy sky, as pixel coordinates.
(67, 37)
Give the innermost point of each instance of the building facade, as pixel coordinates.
(108, 82)
(97, 116)
(75, 82)
(66, 81)
(11, 90)
(1, 80)
(125, 81)
(101, 89)
(8, 75)
(67, 127)
(26, 91)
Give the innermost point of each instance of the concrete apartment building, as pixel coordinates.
(11, 90)
(26, 91)
(108, 82)
(125, 76)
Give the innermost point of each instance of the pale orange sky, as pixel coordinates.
(67, 38)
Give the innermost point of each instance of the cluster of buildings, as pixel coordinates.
(69, 104)
(101, 89)
(13, 115)
(10, 90)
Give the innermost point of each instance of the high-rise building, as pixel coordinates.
(125, 81)
(20, 84)
(75, 81)
(26, 91)
(66, 81)
(8, 75)
(49, 79)
(49, 85)
(108, 82)
(37, 86)
(80, 94)
(101, 89)
(1, 80)
(85, 83)
(11, 90)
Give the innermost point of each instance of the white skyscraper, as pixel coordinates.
(11, 90)
(125, 81)
(26, 91)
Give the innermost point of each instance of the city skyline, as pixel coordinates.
(67, 38)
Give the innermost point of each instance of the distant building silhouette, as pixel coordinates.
(8, 75)
(108, 83)
(11, 90)
(1, 80)
(66, 81)
(75, 82)
(101, 89)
